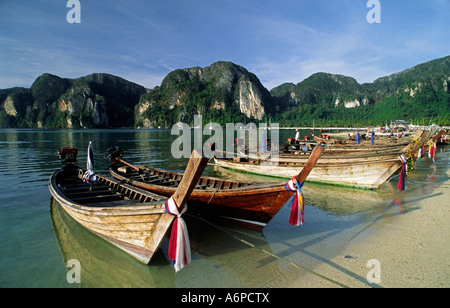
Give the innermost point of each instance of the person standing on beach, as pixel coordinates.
(297, 136)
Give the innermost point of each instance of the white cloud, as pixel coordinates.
(142, 42)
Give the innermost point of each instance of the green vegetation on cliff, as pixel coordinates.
(96, 100)
(420, 94)
(227, 93)
(216, 92)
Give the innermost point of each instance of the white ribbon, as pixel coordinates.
(183, 245)
(89, 177)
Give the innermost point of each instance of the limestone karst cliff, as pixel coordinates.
(222, 90)
(228, 93)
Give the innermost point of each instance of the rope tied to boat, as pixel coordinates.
(179, 245)
(298, 203)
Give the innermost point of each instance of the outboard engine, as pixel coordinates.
(113, 153)
(68, 156)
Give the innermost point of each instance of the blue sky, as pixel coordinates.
(279, 41)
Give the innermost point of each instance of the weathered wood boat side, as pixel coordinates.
(133, 220)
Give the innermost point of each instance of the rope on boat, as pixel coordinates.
(212, 196)
(273, 255)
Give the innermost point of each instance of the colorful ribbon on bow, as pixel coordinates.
(402, 180)
(179, 245)
(89, 177)
(432, 149)
(298, 204)
(421, 154)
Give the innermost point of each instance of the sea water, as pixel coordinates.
(38, 239)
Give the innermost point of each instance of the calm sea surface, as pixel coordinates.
(38, 238)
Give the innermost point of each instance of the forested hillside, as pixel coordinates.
(420, 94)
(228, 93)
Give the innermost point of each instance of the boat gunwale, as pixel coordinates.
(299, 164)
(250, 189)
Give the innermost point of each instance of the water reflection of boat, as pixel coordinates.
(342, 200)
(235, 257)
(102, 265)
(336, 200)
(221, 258)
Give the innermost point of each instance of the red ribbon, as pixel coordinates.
(179, 244)
(298, 203)
(402, 180)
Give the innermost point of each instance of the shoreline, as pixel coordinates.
(169, 128)
(412, 249)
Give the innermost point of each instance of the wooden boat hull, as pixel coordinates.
(366, 175)
(252, 205)
(133, 220)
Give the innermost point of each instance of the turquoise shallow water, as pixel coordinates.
(38, 238)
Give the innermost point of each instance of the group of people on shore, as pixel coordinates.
(298, 138)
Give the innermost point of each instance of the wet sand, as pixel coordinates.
(413, 249)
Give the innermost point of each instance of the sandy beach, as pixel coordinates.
(412, 249)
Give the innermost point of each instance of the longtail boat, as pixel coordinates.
(364, 171)
(345, 152)
(363, 175)
(130, 218)
(248, 204)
